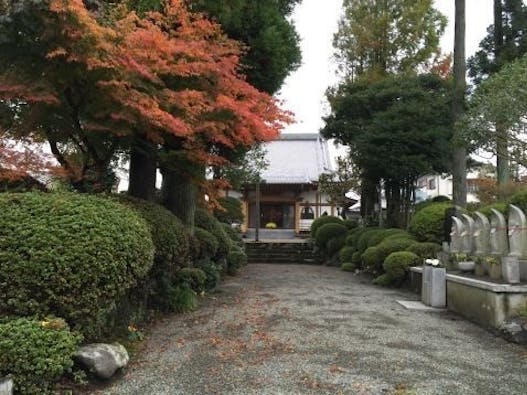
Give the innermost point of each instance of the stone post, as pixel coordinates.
(481, 234)
(468, 234)
(498, 234)
(456, 244)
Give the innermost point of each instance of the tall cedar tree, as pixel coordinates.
(171, 77)
(376, 38)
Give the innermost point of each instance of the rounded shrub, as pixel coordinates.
(520, 199)
(212, 273)
(354, 235)
(334, 245)
(501, 207)
(384, 280)
(234, 235)
(207, 243)
(194, 277)
(230, 211)
(345, 254)
(425, 250)
(441, 199)
(395, 245)
(428, 223)
(329, 231)
(321, 221)
(207, 221)
(356, 259)
(69, 255)
(36, 353)
(170, 237)
(371, 259)
(351, 223)
(397, 264)
(235, 260)
(364, 240)
(347, 267)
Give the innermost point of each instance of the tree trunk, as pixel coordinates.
(459, 154)
(368, 199)
(179, 194)
(143, 169)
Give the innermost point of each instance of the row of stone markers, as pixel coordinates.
(505, 240)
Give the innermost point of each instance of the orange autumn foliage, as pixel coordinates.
(168, 75)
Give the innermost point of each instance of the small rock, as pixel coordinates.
(101, 359)
(6, 386)
(515, 330)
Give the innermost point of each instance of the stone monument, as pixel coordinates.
(481, 234)
(467, 236)
(498, 234)
(456, 238)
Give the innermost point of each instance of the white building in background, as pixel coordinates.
(431, 186)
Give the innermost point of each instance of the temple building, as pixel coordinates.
(289, 195)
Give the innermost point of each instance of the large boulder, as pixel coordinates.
(102, 360)
(515, 330)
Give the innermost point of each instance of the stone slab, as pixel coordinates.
(419, 306)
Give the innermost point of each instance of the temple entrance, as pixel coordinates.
(273, 215)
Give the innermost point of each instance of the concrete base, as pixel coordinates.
(418, 306)
(484, 302)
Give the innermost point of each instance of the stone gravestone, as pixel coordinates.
(481, 234)
(498, 234)
(456, 238)
(6, 386)
(518, 246)
(433, 291)
(467, 236)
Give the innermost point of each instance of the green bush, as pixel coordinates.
(356, 259)
(354, 235)
(397, 264)
(399, 236)
(333, 246)
(425, 250)
(207, 243)
(384, 280)
(428, 223)
(183, 299)
(212, 273)
(36, 353)
(501, 207)
(327, 232)
(394, 245)
(364, 239)
(519, 199)
(321, 221)
(346, 254)
(441, 199)
(230, 211)
(351, 223)
(206, 220)
(69, 255)
(347, 267)
(371, 259)
(194, 277)
(235, 260)
(234, 235)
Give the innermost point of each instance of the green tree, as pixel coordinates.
(397, 129)
(339, 182)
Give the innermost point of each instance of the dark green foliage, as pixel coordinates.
(441, 199)
(333, 246)
(36, 357)
(351, 223)
(356, 259)
(194, 277)
(212, 273)
(355, 234)
(183, 299)
(207, 243)
(501, 207)
(371, 259)
(329, 231)
(69, 255)
(394, 245)
(233, 234)
(319, 222)
(425, 250)
(398, 263)
(231, 212)
(235, 260)
(346, 254)
(428, 223)
(348, 267)
(384, 280)
(206, 220)
(519, 199)
(400, 235)
(364, 240)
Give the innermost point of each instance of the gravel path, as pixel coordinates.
(289, 329)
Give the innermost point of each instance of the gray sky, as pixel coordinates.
(316, 21)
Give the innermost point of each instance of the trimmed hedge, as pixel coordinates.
(235, 260)
(36, 353)
(333, 246)
(207, 244)
(364, 239)
(355, 234)
(394, 245)
(384, 280)
(396, 264)
(207, 221)
(347, 267)
(371, 258)
(230, 211)
(350, 223)
(194, 277)
(327, 232)
(520, 199)
(69, 255)
(428, 223)
(501, 207)
(356, 259)
(425, 250)
(324, 220)
(212, 273)
(234, 235)
(346, 254)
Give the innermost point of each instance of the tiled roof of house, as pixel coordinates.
(296, 159)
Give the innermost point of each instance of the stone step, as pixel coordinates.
(280, 253)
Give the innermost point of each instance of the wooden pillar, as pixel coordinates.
(297, 217)
(245, 211)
